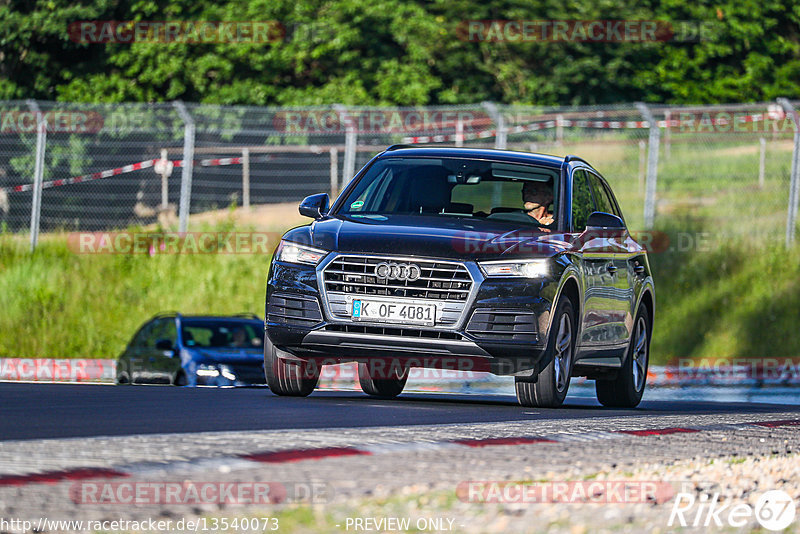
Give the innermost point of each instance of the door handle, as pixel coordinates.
(611, 268)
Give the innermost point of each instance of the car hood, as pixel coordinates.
(444, 237)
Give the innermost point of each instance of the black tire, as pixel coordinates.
(384, 387)
(180, 379)
(627, 389)
(122, 377)
(550, 388)
(287, 377)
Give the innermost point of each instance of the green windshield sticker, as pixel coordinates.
(357, 205)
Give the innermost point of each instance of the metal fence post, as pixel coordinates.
(794, 187)
(652, 165)
(334, 172)
(500, 124)
(559, 129)
(350, 141)
(246, 178)
(460, 132)
(499, 143)
(187, 166)
(165, 172)
(642, 163)
(38, 171)
(762, 161)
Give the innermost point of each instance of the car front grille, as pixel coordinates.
(387, 331)
(439, 281)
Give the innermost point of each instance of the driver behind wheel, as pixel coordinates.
(537, 197)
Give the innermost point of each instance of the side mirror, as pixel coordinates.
(315, 206)
(164, 344)
(604, 221)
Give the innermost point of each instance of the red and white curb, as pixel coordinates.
(345, 376)
(250, 460)
(57, 370)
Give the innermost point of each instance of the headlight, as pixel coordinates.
(214, 370)
(207, 370)
(524, 269)
(294, 253)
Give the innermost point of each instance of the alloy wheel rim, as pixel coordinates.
(563, 352)
(639, 367)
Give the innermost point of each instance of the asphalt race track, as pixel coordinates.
(40, 411)
(348, 452)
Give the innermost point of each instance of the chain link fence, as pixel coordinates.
(729, 170)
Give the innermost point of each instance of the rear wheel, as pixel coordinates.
(550, 388)
(384, 386)
(627, 389)
(286, 376)
(122, 378)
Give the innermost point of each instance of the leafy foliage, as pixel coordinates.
(402, 52)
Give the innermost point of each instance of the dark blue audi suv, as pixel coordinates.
(508, 262)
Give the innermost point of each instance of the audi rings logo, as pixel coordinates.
(398, 271)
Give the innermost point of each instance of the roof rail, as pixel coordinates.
(166, 314)
(397, 147)
(573, 157)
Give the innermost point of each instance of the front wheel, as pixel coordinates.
(627, 389)
(550, 388)
(386, 387)
(285, 376)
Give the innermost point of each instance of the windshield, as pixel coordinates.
(451, 187)
(207, 333)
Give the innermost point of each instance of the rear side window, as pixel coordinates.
(582, 204)
(141, 336)
(157, 331)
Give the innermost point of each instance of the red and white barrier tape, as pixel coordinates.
(577, 123)
(86, 177)
(120, 170)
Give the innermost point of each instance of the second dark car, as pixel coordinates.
(514, 263)
(194, 350)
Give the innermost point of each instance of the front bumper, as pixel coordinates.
(502, 328)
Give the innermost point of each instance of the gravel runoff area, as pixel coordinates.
(428, 476)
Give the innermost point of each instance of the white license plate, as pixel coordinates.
(394, 311)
